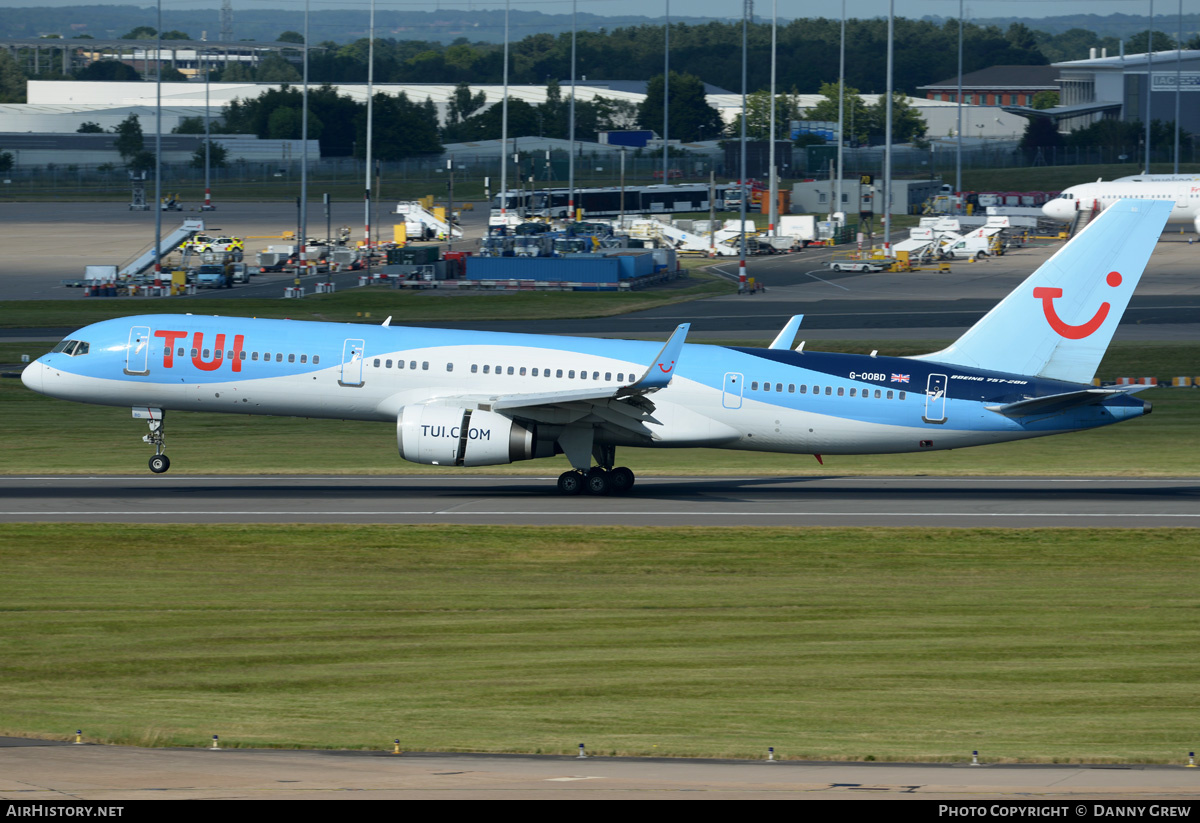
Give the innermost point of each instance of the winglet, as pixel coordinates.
(659, 375)
(787, 335)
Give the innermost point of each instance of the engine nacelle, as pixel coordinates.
(448, 436)
(1196, 224)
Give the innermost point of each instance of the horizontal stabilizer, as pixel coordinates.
(1058, 402)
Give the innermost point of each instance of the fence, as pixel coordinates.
(472, 173)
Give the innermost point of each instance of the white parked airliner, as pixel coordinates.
(463, 398)
(1182, 192)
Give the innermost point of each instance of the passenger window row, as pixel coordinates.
(829, 390)
(253, 356)
(569, 374)
(412, 364)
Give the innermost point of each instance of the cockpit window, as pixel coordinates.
(71, 348)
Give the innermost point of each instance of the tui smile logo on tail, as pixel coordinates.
(1047, 295)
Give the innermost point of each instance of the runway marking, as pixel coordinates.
(400, 478)
(625, 513)
(823, 280)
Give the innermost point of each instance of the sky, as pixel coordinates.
(700, 8)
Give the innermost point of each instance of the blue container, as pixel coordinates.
(572, 269)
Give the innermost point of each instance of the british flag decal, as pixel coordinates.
(899, 378)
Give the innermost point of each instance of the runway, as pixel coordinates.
(44, 771)
(943, 502)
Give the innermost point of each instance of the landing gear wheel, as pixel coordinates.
(620, 480)
(570, 482)
(596, 481)
(159, 463)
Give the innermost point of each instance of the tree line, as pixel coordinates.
(926, 52)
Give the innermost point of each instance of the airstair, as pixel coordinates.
(169, 243)
(417, 217)
(1084, 216)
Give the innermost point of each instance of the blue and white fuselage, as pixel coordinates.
(478, 398)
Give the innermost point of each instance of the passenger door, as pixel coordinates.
(935, 399)
(137, 353)
(352, 363)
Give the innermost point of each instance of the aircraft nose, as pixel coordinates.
(31, 375)
(1059, 209)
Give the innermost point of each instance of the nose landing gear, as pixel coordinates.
(159, 463)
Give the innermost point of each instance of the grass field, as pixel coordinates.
(892, 644)
(43, 435)
(404, 305)
(344, 187)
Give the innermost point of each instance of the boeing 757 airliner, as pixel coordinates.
(460, 398)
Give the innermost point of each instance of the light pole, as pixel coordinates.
(1178, 78)
(450, 202)
(958, 141)
(370, 124)
(841, 108)
(303, 238)
(667, 90)
(1149, 80)
(571, 129)
(158, 153)
(504, 127)
(742, 167)
(773, 187)
(207, 141)
(887, 149)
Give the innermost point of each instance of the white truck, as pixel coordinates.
(801, 227)
(974, 245)
(859, 265)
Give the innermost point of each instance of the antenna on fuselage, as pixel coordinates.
(387, 322)
(800, 348)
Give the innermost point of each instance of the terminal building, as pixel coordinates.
(1117, 87)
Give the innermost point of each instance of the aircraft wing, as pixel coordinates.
(621, 406)
(1060, 402)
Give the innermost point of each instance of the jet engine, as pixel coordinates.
(1196, 224)
(448, 436)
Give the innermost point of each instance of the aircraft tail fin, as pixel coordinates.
(1059, 322)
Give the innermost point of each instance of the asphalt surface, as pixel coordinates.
(836, 305)
(34, 771)
(948, 502)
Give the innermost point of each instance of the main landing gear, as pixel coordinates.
(596, 480)
(601, 479)
(159, 463)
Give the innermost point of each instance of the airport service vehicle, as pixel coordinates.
(973, 245)
(859, 265)
(466, 398)
(212, 277)
(1091, 198)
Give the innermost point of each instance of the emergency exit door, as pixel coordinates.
(731, 394)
